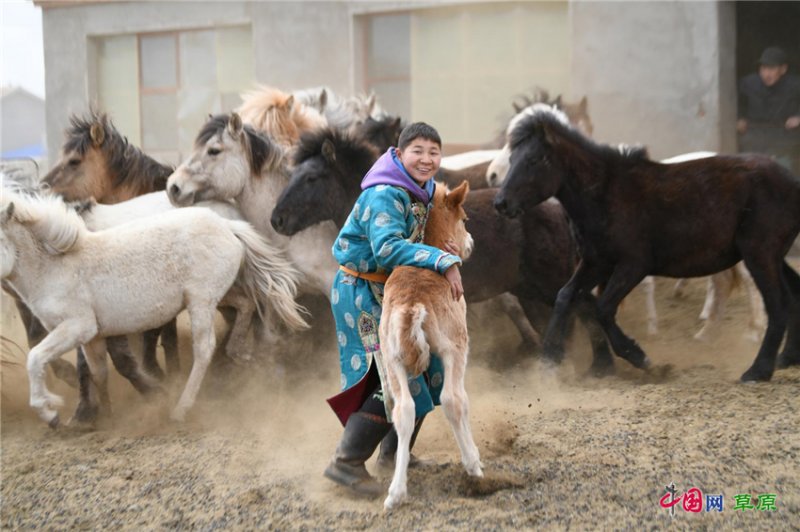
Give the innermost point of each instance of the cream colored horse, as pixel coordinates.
(87, 286)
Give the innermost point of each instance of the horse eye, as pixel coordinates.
(213, 152)
(74, 162)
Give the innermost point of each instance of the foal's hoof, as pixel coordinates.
(787, 359)
(599, 370)
(394, 500)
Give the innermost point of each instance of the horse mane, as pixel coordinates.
(263, 154)
(51, 221)
(351, 150)
(279, 114)
(547, 125)
(383, 132)
(129, 165)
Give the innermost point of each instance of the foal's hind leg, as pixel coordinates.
(790, 356)
(456, 406)
(203, 341)
(403, 420)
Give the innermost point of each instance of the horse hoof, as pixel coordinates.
(645, 363)
(786, 360)
(54, 422)
(755, 375)
(599, 371)
(393, 501)
(178, 415)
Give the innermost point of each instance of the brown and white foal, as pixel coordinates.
(420, 316)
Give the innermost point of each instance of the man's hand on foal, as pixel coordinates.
(453, 276)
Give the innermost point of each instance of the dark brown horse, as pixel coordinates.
(530, 258)
(636, 217)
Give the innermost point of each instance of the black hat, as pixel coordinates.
(773, 56)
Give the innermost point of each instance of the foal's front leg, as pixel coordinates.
(66, 336)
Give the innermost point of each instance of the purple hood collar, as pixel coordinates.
(388, 170)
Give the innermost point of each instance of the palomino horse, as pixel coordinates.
(278, 114)
(636, 217)
(530, 258)
(87, 286)
(420, 315)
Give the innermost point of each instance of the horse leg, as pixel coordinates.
(95, 352)
(203, 341)
(128, 366)
(718, 290)
(86, 411)
(677, 290)
(35, 332)
(149, 361)
(403, 419)
(622, 281)
(512, 306)
(649, 287)
(169, 341)
(758, 321)
(67, 335)
(456, 406)
(602, 360)
(790, 356)
(773, 284)
(583, 280)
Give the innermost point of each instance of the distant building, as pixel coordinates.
(23, 131)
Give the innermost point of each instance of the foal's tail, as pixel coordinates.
(414, 348)
(268, 277)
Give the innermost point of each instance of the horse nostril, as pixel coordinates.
(277, 222)
(175, 191)
(500, 205)
(492, 178)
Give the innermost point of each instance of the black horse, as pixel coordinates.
(635, 217)
(531, 258)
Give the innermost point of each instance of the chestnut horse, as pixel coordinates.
(636, 217)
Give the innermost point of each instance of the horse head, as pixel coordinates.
(382, 133)
(534, 172)
(447, 219)
(82, 170)
(328, 166)
(227, 155)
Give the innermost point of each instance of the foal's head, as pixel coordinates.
(279, 114)
(227, 154)
(447, 219)
(325, 182)
(97, 161)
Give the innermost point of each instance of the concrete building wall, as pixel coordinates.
(23, 120)
(656, 73)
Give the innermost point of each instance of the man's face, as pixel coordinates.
(421, 159)
(771, 74)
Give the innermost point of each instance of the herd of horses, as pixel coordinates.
(114, 243)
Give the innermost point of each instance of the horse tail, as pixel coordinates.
(268, 277)
(416, 353)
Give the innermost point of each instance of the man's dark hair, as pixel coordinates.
(418, 130)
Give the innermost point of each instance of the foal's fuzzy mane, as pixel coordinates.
(351, 151)
(545, 122)
(51, 221)
(128, 164)
(265, 108)
(263, 154)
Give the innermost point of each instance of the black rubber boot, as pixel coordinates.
(362, 434)
(385, 460)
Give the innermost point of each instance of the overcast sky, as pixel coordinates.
(21, 50)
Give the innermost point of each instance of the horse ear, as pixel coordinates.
(289, 102)
(456, 196)
(583, 105)
(558, 103)
(371, 99)
(517, 107)
(235, 125)
(329, 151)
(323, 100)
(7, 214)
(97, 134)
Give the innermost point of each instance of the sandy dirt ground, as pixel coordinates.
(561, 450)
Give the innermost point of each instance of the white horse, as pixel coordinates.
(98, 217)
(87, 286)
(234, 162)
